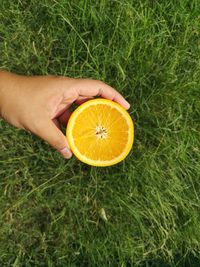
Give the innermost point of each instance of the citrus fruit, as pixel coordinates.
(100, 132)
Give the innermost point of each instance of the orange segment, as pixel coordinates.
(100, 132)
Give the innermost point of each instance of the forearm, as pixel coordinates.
(9, 95)
(6, 83)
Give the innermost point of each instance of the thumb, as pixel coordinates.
(48, 131)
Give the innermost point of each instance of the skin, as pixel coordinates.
(40, 104)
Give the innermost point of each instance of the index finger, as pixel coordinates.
(91, 88)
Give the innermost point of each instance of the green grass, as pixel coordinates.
(50, 208)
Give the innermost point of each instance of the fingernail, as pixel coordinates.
(127, 104)
(66, 153)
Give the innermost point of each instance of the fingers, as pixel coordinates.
(82, 99)
(48, 131)
(91, 88)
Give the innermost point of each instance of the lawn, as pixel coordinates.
(52, 211)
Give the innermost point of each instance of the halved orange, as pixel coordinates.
(100, 132)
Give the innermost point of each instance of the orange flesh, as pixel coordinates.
(101, 132)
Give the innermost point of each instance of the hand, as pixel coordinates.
(41, 103)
